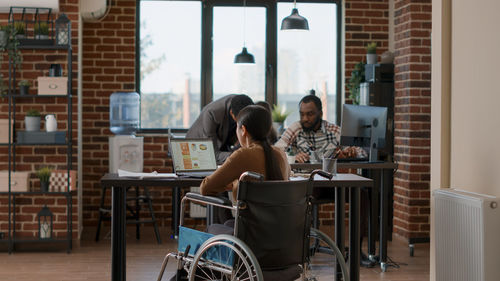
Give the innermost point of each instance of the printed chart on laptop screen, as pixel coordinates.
(189, 155)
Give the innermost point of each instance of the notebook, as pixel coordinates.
(193, 157)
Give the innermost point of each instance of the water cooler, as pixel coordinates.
(125, 149)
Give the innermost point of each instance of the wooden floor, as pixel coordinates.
(91, 261)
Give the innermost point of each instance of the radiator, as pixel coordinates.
(467, 233)
(195, 210)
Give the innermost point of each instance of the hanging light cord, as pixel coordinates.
(294, 4)
(244, 21)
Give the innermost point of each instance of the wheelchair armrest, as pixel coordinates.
(321, 173)
(208, 199)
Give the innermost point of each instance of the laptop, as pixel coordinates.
(193, 157)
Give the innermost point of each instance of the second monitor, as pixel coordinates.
(364, 126)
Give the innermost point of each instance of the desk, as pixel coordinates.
(380, 181)
(118, 213)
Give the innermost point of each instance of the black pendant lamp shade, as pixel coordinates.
(244, 57)
(294, 22)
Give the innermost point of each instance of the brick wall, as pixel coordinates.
(30, 158)
(412, 117)
(366, 21)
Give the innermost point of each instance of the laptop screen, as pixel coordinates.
(193, 155)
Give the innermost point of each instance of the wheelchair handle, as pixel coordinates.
(249, 176)
(321, 173)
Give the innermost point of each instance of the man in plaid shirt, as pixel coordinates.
(314, 136)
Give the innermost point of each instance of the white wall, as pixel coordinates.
(475, 96)
(465, 118)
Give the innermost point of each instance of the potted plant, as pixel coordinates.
(20, 29)
(41, 30)
(279, 115)
(4, 35)
(44, 175)
(24, 87)
(371, 53)
(354, 84)
(32, 120)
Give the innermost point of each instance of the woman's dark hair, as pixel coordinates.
(258, 122)
(273, 135)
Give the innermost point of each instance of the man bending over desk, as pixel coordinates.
(217, 121)
(312, 136)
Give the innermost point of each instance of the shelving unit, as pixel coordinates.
(11, 238)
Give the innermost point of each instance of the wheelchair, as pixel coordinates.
(272, 237)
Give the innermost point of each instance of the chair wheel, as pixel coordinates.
(383, 266)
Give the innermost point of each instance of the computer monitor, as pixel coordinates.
(364, 126)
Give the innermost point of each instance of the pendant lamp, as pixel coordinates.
(294, 21)
(244, 57)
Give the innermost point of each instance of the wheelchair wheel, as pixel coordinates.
(321, 260)
(225, 257)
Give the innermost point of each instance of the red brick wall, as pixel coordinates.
(365, 22)
(30, 158)
(412, 117)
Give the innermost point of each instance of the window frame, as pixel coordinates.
(206, 76)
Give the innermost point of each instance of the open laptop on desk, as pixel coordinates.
(193, 157)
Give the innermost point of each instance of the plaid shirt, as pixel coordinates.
(326, 139)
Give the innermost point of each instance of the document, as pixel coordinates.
(154, 174)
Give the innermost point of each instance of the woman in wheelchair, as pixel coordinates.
(272, 235)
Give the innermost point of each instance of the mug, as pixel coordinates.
(330, 165)
(50, 123)
(55, 70)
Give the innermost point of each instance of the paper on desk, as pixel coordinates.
(123, 173)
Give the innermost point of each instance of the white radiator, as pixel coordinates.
(467, 233)
(195, 210)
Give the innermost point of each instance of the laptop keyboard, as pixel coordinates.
(200, 175)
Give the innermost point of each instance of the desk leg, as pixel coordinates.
(339, 225)
(176, 203)
(383, 222)
(118, 228)
(374, 214)
(354, 247)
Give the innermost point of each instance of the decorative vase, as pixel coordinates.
(279, 127)
(44, 186)
(32, 123)
(50, 123)
(371, 58)
(24, 90)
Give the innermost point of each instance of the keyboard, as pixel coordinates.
(198, 175)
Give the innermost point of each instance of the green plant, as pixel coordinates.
(279, 114)
(33, 113)
(371, 48)
(357, 77)
(20, 27)
(41, 28)
(44, 174)
(24, 83)
(11, 46)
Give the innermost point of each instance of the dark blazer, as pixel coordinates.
(214, 122)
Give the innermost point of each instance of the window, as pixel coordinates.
(170, 54)
(187, 49)
(307, 60)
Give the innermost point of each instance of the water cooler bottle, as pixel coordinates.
(125, 149)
